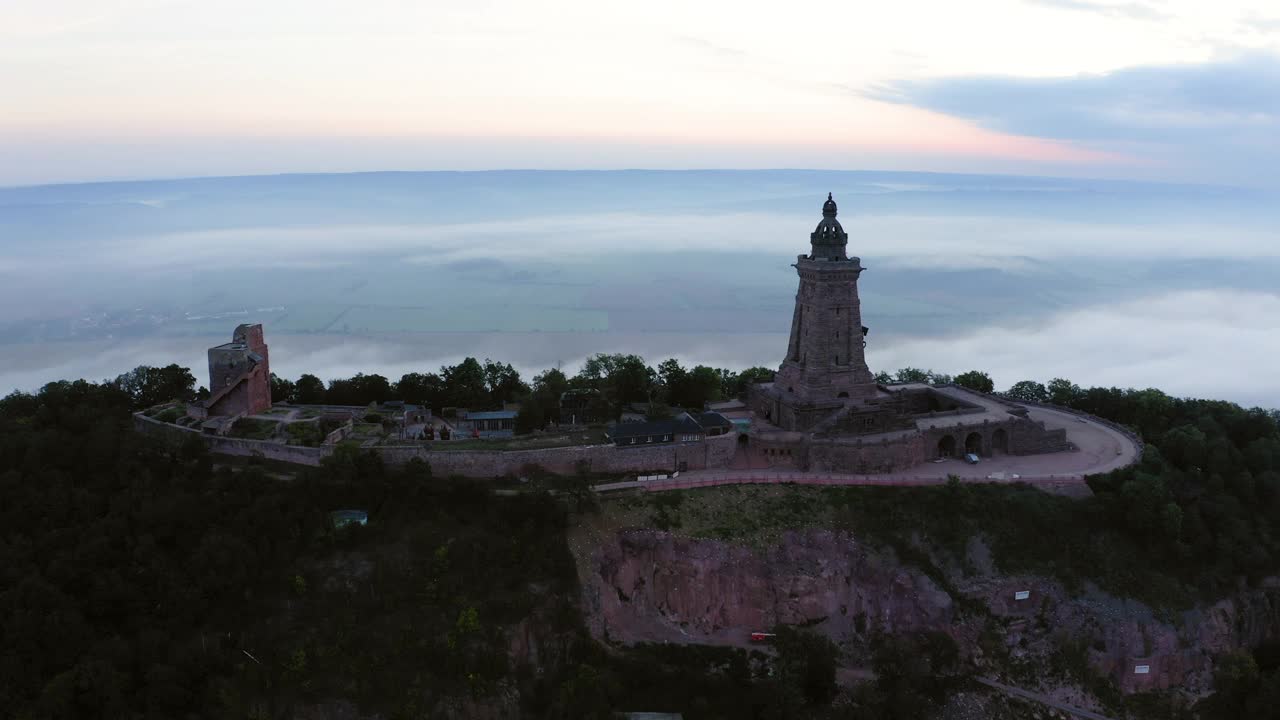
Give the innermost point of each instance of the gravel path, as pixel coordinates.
(1042, 699)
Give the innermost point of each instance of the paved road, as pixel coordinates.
(1042, 699)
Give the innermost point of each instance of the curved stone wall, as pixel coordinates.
(714, 452)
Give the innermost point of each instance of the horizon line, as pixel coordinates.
(585, 170)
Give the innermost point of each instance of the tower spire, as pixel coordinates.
(829, 238)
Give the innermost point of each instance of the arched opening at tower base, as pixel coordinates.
(999, 442)
(973, 443)
(947, 446)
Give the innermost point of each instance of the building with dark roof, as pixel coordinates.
(713, 423)
(489, 424)
(681, 428)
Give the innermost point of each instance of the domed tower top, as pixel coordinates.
(829, 239)
(829, 207)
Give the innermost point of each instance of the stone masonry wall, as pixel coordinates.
(1015, 436)
(714, 452)
(851, 456)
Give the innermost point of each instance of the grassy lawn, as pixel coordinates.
(252, 429)
(754, 515)
(304, 433)
(171, 414)
(367, 429)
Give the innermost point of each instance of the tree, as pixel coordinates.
(976, 380)
(1027, 390)
(621, 378)
(701, 386)
(532, 416)
(884, 378)
(807, 661)
(671, 374)
(502, 382)
(548, 387)
(911, 674)
(464, 384)
(147, 386)
(281, 389)
(1235, 678)
(1063, 392)
(551, 383)
(360, 389)
(691, 389)
(913, 375)
(420, 389)
(751, 376)
(542, 403)
(659, 411)
(309, 390)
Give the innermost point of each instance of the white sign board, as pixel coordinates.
(1022, 595)
(1141, 669)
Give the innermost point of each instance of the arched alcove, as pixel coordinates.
(999, 441)
(973, 443)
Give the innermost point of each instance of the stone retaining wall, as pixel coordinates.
(852, 456)
(243, 447)
(1127, 432)
(1134, 437)
(714, 452)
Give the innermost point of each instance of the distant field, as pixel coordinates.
(465, 317)
(304, 318)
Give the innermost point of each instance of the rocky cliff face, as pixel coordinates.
(648, 585)
(651, 585)
(1122, 636)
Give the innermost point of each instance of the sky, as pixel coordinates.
(1187, 91)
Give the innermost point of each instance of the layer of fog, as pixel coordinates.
(954, 241)
(1110, 283)
(1217, 344)
(1213, 344)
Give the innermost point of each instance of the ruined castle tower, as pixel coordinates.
(240, 374)
(824, 367)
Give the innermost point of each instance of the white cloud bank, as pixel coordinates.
(1219, 344)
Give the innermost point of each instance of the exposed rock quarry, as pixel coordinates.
(652, 585)
(648, 585)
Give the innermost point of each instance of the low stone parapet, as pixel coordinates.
(713, 452)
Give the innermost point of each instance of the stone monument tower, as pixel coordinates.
(824, 368)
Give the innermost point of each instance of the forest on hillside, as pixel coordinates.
(150, 581)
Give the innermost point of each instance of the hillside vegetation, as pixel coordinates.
(138, 580)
